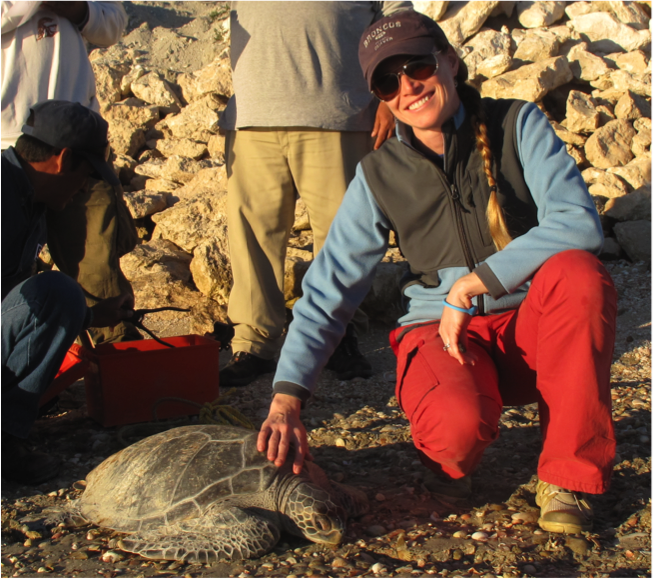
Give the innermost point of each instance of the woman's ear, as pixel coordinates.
(453, 60)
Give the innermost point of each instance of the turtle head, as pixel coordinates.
(312, 513)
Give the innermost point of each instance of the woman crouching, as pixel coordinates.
(506, 302)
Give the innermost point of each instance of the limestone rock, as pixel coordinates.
(577, 155)
(537, 45)
(108, 83)
(211, 269)
(301, 221)
(175, 168)
(135, 73)
(215, 78)
(463, 20)
(607, 33)
(190, 222)
(606, 114)
(434, 10)
(216, 147)
(630, 13)
(505, 7)
(581, 113)
(578, 8)
(607, 97)
(144, 203)
(631, 106)
(208, 181)
(489, 54)
(622, 81)
(156, 256)
(609, 146)
(198, 121)
(634, 237)
(585, 65)
(163, 185)
(144, 117)
(642, 141)
(125, 137)
(632, 207)
(157, 91)
(567, 136)
(637, 172)
(295, 267)
(123, 167)
(611, 249)
(530, 82)
(159, 285)
(604, 184)
(182, 148)
(539, 14)
(635, 62)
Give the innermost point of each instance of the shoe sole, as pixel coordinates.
(563, 528)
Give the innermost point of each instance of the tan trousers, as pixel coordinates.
(266, 169)
(86, 240)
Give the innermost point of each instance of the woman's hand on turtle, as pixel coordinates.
(385, 125)
(283, 430)
(452, 328)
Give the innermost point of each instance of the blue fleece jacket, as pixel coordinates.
(342, 273)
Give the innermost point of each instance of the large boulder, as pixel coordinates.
(637, 172)
(464, 19)
(530, 82)
(198, 121)
(609, 146)
(604, 184)
(606, 33)
(488, 53)
(585, 65)
(633, 207)
(539, 14)
(581, 113)
(634, 237)
(157, 91)
(537, 45)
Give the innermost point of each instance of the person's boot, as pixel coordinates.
(563, 511)
(347, 361)
(243, 368)
(448, 487)
(24, 465)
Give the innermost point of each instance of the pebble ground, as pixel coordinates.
(360, 437)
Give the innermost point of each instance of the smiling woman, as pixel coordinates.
(499, 232)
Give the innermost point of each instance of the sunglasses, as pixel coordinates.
(387, 86)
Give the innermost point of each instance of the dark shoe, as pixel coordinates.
(243, 368)
(347, 361)
(447, 487)
(26, 466)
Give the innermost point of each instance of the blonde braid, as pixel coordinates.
(495, 217)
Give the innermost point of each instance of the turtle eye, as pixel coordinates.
(323, 523)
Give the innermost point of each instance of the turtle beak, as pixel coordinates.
(327, 533)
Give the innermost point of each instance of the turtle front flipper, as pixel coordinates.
(230, 534)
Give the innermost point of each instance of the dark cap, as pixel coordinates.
(407, 32)
(63, 124)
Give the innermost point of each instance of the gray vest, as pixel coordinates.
(439, 215)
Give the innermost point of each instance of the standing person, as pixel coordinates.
(507, 304)
(299, 122)
(63, 144)
(44, 56)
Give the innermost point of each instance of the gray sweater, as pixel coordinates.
(295, 64)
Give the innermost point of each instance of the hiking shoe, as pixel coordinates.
(24, 465)
(448, 487)
(243, 368)
(347, 361)
(563, 511)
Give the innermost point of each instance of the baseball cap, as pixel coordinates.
(407, 32)
(63, 124)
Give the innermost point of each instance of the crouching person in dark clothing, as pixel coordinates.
(63, 144)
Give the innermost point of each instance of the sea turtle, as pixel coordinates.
(203, 492)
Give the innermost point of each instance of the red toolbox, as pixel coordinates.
(129, 382)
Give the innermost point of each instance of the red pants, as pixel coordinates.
(556, 349)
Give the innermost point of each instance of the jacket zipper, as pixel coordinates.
(457, 201)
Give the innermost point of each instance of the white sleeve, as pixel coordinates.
(15, 14)
(107, 21)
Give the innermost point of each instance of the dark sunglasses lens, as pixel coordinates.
(386, 87)
(420, 70)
